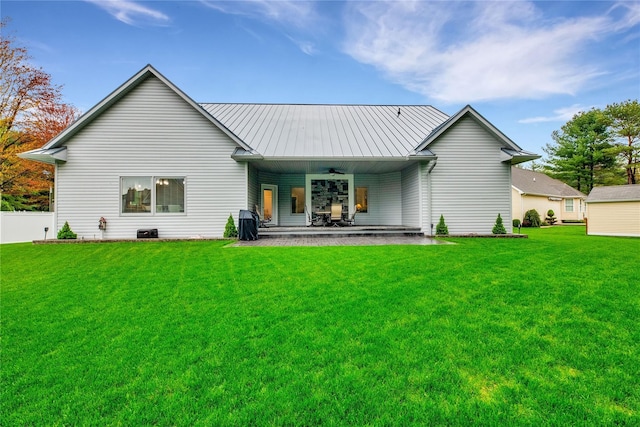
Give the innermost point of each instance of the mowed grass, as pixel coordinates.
(538, 331)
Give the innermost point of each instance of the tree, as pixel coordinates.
(581, 155)
(624, 122)
(441, 228)
(498, 227)
(31, 113)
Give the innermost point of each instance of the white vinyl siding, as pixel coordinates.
(471, 185)
(390, 196)
(151, 131)
(411, 196)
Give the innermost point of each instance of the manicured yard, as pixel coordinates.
(538, 331)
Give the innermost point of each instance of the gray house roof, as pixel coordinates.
(295, 131)
(363, 138)
(539, 184)
(615, 193)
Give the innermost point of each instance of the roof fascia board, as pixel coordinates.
(471, 112)
(120, 92)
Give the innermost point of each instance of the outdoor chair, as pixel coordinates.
(336, 214)
(263, 222)
(351, 219)
(313, 218)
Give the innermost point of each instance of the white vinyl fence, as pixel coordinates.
(26, 226)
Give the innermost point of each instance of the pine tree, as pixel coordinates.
(441, 228)
(230, 229)
(498, 228)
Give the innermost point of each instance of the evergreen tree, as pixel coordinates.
(230, 229)
(581, 153)
(498, 228)
(441, 228)
(624, 123)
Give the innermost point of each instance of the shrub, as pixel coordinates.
(498, 228)
(544, 224)
(66, 233)
(441, 228)
(531, 219)
(551, 219)
(230, 229)
(516, 223)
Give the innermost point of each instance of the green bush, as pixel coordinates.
(531, 218)
(230, 229)
(516, 223)
(66, 233)
(441, 228)
(498, 228)
(551, 219)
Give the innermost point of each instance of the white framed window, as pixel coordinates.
(568, 205)
(362, 199)
(152, 195)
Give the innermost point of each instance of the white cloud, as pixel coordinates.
(295, 16)
(476, 51)
(298, 14)
(131, 13)
(560, 115)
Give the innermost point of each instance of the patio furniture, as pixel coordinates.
(314, 218)
(263, 222)
(351, 219)
(336, 214)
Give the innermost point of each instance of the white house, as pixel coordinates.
(148, 156)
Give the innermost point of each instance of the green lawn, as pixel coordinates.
(538, 331)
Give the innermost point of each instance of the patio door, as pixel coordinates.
(269, 203)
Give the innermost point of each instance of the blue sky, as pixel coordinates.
(526, 66)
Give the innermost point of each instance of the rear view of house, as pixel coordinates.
(614, 211)
(148, 156)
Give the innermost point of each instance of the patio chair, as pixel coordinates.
(263, 222)
(313, 218)
(336, 214)
(351, 220)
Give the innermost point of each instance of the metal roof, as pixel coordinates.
(615, 193)
(530, 182)
(302, 131)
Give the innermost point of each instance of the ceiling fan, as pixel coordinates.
(332, 171)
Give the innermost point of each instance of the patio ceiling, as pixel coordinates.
(370, 166)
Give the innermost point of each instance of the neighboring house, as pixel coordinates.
(614, 211)
(535, 190)
(148, 156)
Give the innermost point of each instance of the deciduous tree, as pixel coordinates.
(31, 113)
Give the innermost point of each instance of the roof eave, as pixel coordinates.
(48, 156)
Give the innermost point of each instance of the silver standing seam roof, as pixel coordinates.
(303, 131)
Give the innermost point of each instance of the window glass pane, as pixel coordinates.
(297, 200)
(362, 199)
(136, 194)
(568, 205)
(169, 195)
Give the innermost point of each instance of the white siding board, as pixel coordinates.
(150, 132)
(470, 183)
(411, 195)
(390, 196)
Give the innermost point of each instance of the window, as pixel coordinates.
(568, 205)
(139, 195)
(297, 200)
(362, 199)
(136, 194)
